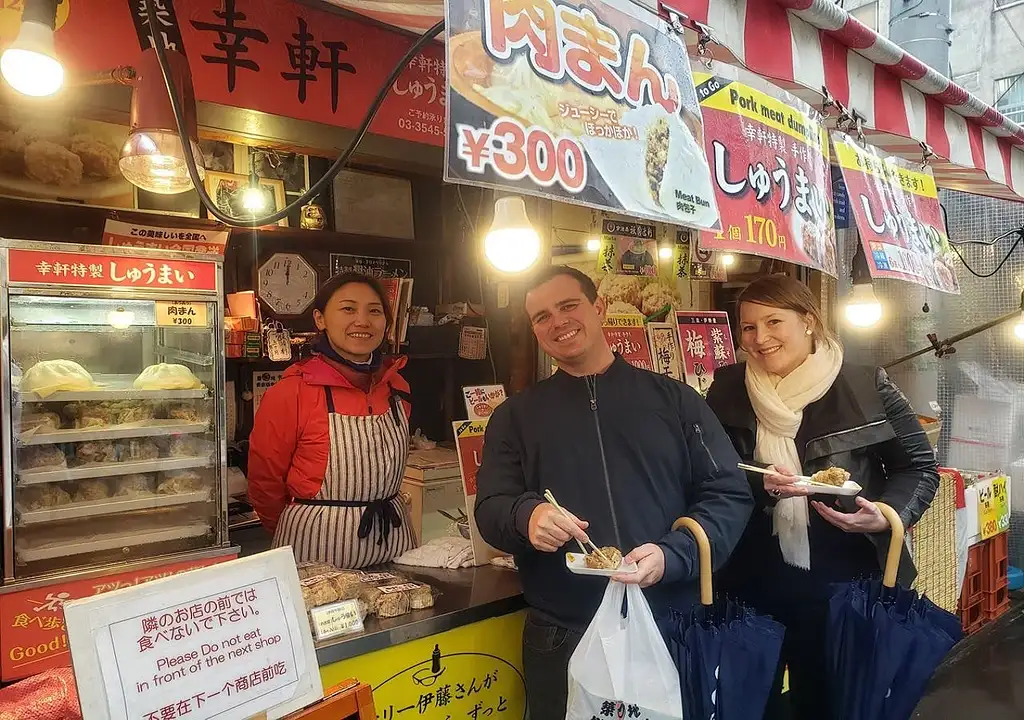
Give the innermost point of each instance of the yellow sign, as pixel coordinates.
(330, 621)
(993, 506)
(470, 673)
(623, 320)
(181, 314)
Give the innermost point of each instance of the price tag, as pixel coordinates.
(993, 506)
(181, 314)
(340, 618)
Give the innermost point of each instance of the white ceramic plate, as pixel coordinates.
(577, 563)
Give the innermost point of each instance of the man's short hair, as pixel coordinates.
(550, 272)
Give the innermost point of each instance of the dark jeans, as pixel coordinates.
(547, 648)
(804, 652)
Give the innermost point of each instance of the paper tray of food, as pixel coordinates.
(848, 488)
(577, 563)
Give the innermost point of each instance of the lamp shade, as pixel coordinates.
(153, 157)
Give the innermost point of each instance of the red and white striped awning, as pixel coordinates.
(903, 103)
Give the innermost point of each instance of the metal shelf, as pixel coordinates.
(149, 428)
(100, 470)
(113, 387)
(109, 506)
(114, 541)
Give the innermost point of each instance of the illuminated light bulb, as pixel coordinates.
(155, 161)
(863, 309)
(728, 260)
(594, 245)
(30, 64)
(665, 252)
(254, 199)
(121, 318)
(512, 245)
(1018, 329)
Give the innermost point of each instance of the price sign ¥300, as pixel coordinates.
(181, 314)
(993, 506)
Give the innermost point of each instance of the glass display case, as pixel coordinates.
(113, 381)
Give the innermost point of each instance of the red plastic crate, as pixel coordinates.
(991, 615)
(972, 618)
(997, 563)
(997, 598)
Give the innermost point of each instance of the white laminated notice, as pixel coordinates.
(230, 641)
(341, 618)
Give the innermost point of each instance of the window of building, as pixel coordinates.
(868, 14)
(1009, 93)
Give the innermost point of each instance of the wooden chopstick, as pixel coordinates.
(597, 551)
(766, 471)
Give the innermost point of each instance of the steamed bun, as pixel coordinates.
(50, 376)
(167, 376)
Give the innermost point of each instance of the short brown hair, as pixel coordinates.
(786, 293)
(552, 271)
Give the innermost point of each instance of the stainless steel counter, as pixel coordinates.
(466, 596)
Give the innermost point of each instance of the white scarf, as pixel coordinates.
(779, 404)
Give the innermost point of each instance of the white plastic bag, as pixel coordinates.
(622, 669)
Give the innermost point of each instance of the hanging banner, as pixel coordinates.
(664, 339)
(706, 341)
(593, 105)
(627, 337)
(769, 157)
(896, 207)
(695, 262)
(202, 240)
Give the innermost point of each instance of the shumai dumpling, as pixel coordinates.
(167, 376)
(50, 376)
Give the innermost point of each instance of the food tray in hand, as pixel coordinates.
(149, 428)
(39, 476)
(848, 488)
(577, 563)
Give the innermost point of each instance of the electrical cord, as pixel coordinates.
(317, 187)
(479, 274)
(1019, 232)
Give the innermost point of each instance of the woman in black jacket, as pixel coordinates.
(796, 405)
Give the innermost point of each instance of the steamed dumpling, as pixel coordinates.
(167, 376)
(50, 376)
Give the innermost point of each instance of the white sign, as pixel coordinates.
(341, 618)
(482, 400)
(229, 641)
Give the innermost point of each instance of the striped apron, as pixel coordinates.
(358, 518)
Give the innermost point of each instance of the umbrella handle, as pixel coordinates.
(892, 561)
(704, 551)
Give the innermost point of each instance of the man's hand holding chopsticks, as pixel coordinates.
(650, 563)
(550, 529)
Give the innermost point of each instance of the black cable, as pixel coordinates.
(317, 187)
(1019, 232)
(479, 273)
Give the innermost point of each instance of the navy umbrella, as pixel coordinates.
(726, 654)
(884, 642)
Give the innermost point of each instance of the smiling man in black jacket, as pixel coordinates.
(627, 452)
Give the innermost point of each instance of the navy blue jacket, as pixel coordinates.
(650, 452)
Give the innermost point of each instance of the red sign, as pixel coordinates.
(469, 440)
(122, 234)
(769, 157)
(631, 343)
(32, 633)
(44, 267)
(706, 341)
(896, 205)
(277, 57)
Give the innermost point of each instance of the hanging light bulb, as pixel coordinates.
(1018, 329)
(728, 259)
(153, 157)
(665, 252)
(511, 245)
(254, 199)
(30, 63)
(120, 318)
(862, 308)
(594, 244)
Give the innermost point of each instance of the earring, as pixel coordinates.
(809, 332)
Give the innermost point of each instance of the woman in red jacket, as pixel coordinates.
(328, 449)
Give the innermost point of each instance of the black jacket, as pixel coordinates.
(650, 452)
(863, 424)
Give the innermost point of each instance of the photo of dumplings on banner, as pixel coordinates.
(592, 105)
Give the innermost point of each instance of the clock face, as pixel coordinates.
(287, 283)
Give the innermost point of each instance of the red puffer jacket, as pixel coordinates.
(290, 439)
